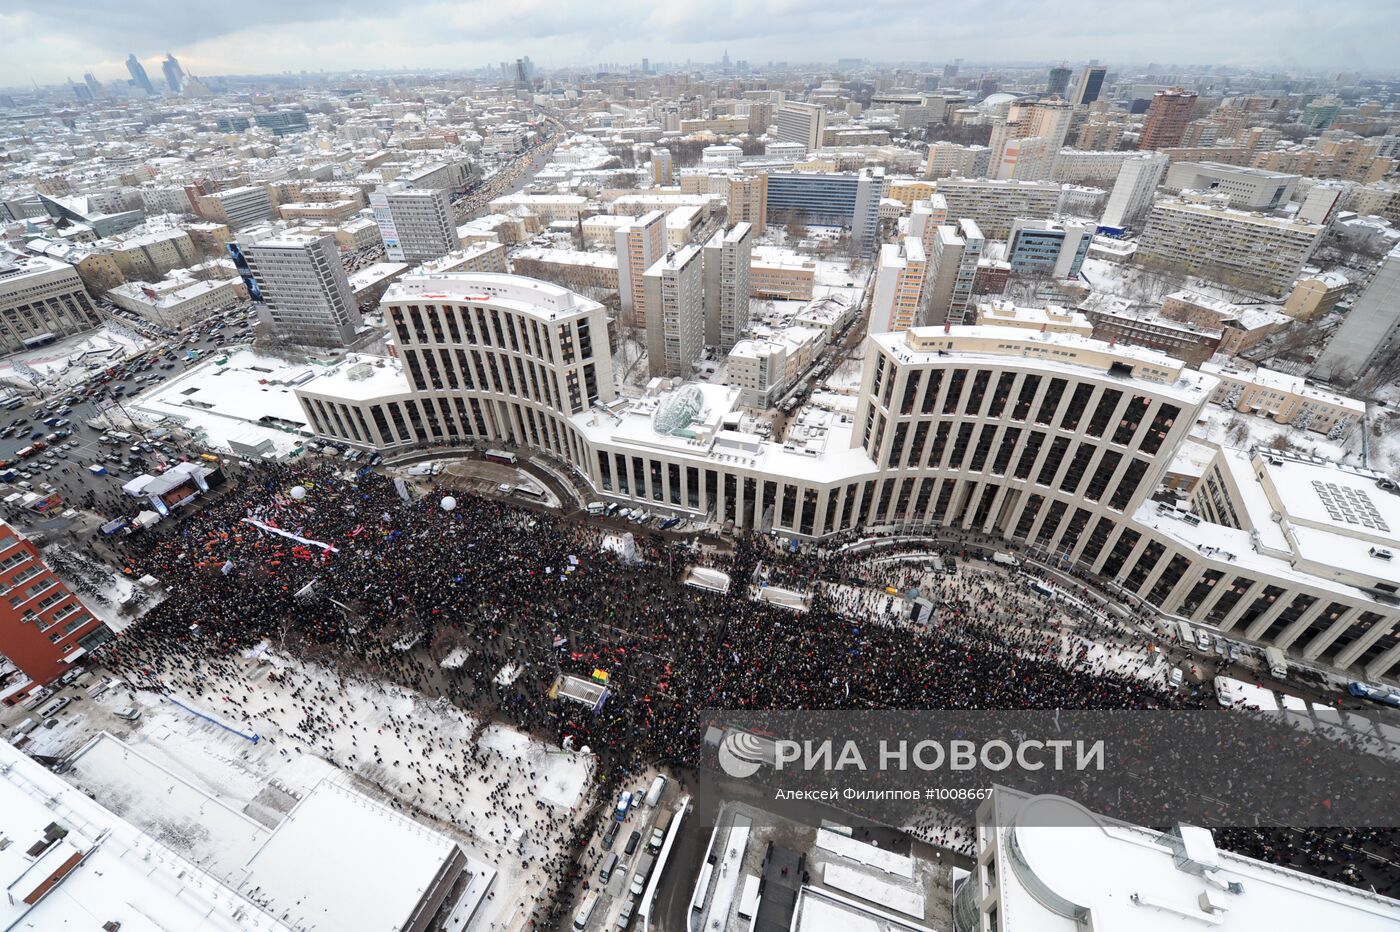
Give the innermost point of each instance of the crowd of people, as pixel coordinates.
(349, 571)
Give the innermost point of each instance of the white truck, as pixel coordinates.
(1277, 661)
(1005, 559)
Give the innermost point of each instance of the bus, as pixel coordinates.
(748, 900)
(500, 456)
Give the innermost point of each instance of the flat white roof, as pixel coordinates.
(1124, 877)
(341, 860)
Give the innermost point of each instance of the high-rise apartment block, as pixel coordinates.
(727, 258)
(1167, 117)
(1132, 192)
(795, 121)
(1255, 252)
(748, 199)
(1370, 332)
(639, 245)
(44, 627)
(675, 312)
(661, 166)
(305, 289)
(952, 267)
(415, 224)
(900, 279)
(995, 205)
(41, 299)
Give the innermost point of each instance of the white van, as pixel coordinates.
(658, 786)
(585, 912)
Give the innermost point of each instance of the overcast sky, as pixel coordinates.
(50, 40)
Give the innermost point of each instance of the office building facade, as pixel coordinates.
(41, 300)
(1089, 87)
(1053, 441)
(1048, 248)
(415, 225)
(995, 205)
(801, 123)
(845, 199)
(304, 289)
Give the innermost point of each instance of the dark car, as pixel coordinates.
(610, 836)
(633, 841)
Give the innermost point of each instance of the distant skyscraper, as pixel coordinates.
(1058, 85)
(80, 91)
(1090, 85)
(138, 75)
(1167, 118)
(174, 74)
(92, 84)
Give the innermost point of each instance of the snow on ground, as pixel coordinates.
(69, 361)
(242, 399)
(505, 797)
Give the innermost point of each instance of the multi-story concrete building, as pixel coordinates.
(178, 302)
(148, 256)
(661, 166)
(794, 121)
(748, 199)
(1048, 248)
(485, 357)
(1287, 399)
(44, 627)
(415, 224)
(952, 269)
(1167, 117)
(1247, 188)
(727, 258)
(1132, 190)
(639, 245)
(236, 208)
(306, 294)
(843, 199)
(1046, 862)
(900, 278)
(1117, 320)
(1370, 331)
(41, 300)
(949, 160)
(995, 205)
(675, 311)
(1050, 440)
(479, 257)
(1079, 165)
(1314, 294)
(1251, 251)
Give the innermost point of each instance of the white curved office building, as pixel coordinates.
(1052, 440)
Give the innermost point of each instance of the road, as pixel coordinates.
(67, 465)
(514, 177)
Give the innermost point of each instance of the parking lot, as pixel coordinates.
(64, 432)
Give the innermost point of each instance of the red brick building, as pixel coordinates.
(43, 626)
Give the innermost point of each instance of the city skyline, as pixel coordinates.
(57, 40)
